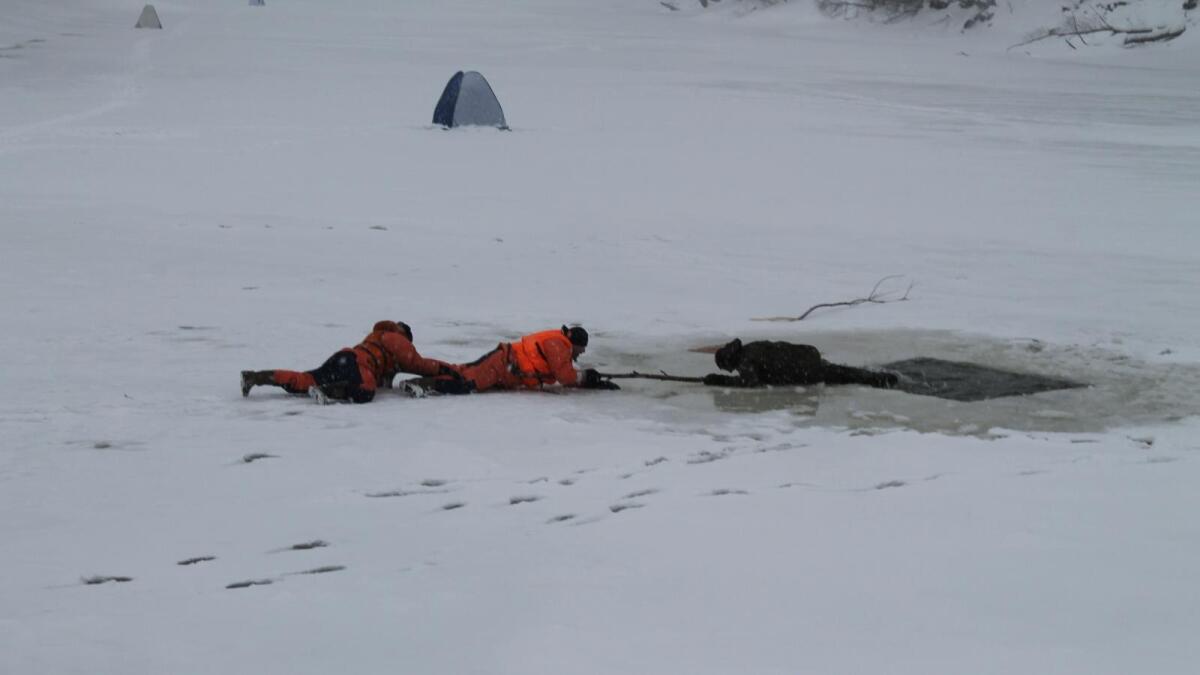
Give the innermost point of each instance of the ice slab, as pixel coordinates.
(961, 381)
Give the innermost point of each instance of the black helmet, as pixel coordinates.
(577, 335)
(404, 328)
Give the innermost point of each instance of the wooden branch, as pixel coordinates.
(874, 297)
(650, 376)
(1156, 37)
(1107, 28)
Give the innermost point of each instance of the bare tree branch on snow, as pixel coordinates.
(875, 296)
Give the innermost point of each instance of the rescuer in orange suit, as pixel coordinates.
(534, 361)
(355, 373)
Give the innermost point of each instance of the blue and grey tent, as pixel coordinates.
(468, 100)
(148, 19)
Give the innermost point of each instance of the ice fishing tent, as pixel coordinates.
(149, 18)
(468, 100)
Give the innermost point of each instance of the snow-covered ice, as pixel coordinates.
(253, 187)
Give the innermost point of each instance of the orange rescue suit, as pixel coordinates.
(387, 351)
(534, 360)
(544, 358)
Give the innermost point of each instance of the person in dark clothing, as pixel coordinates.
(762, 363)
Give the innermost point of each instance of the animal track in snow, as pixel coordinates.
(198, 559)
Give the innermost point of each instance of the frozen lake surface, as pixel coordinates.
(254, 187)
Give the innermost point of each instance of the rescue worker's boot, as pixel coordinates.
(252, 378)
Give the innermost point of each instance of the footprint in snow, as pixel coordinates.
(255, 456)
(566, 482)
(198, 559)
(324, 569)
(617, 508)
(890, 484)
(104, 579)
(562, 518)
(656, 460)
(641, 493)
(523, 499)
(303, 546)
(250, 582)
(453, 505)
(405, 493)
(706, 456)
(721, 492)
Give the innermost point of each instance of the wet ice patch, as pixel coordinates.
(961, 381)
(1120, 390)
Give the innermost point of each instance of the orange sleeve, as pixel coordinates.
(558, 357)
(409, 359)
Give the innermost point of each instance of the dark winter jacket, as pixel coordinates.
(764, 363)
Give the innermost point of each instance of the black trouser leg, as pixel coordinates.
(839, 374)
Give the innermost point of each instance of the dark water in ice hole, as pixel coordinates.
(1119, 390)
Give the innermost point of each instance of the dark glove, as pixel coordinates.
(447, 371)
(590, 379)
(716, 380)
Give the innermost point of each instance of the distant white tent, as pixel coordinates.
(468, 100)
(258, 3)
(149, 18)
